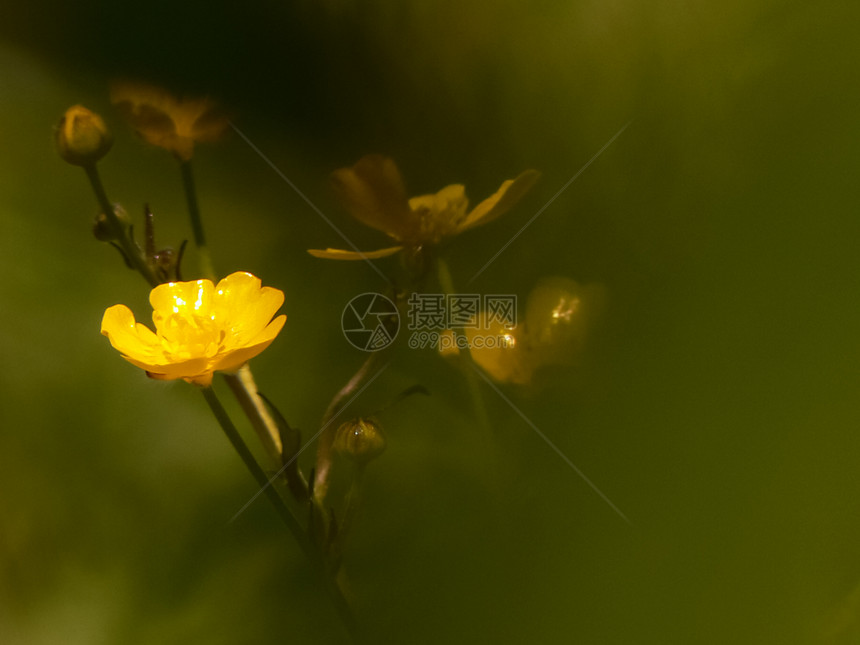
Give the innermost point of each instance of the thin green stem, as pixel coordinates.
(351, 503)
(467, 362)
(283, 512)
(132, 251)
(254, 468)
(245, 390)
(205, 258)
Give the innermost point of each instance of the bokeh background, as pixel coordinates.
(716, 404)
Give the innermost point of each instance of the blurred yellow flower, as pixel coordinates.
(560, 314)
(503, 353)
(200, 328)
(165, 121)
(373, 192)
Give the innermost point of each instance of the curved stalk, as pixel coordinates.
(277, 502)
(204, 256)
(245, 390)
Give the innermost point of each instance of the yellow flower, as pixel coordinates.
(373, 192)
(503, 353)
(199, 328)
(165, 121)
(560, 314)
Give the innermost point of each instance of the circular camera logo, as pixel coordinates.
(370, 322)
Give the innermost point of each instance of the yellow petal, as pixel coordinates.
(501, 354)
(244, 307)
(148, 109)
(183, 298)
(234, 360)
(166, 370)
(243, 289)
(372, 191)
(210, 124)
(166, 121)
(169, 296)
(149, 118)
(204, 379)
(508, 194)
(127, 336)
(338, 254)
(261, 306)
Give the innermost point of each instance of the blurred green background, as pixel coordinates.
(716, 405)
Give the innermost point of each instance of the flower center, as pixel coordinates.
(191, 329)
(185, 335)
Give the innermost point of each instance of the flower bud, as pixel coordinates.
(82, 137)
(360, 439)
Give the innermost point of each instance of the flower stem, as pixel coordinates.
(132, 251)
(245, 390)
(467, 363)
(204, 257)
(351, 503)
(274, 497)
(254, 468)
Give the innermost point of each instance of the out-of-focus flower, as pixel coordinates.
(200, 328)
(82, 137)
(373, 192)
(166, 121)
(559, 316)
(448, 343)
(503, 353)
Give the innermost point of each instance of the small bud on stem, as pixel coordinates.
(82, 137)
(360, 440)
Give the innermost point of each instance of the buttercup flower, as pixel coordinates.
(199, 328)
(165, 121)
(373, 192)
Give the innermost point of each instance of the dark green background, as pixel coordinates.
(716, 404)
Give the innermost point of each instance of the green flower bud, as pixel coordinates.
(360, 439)
(82, 137)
